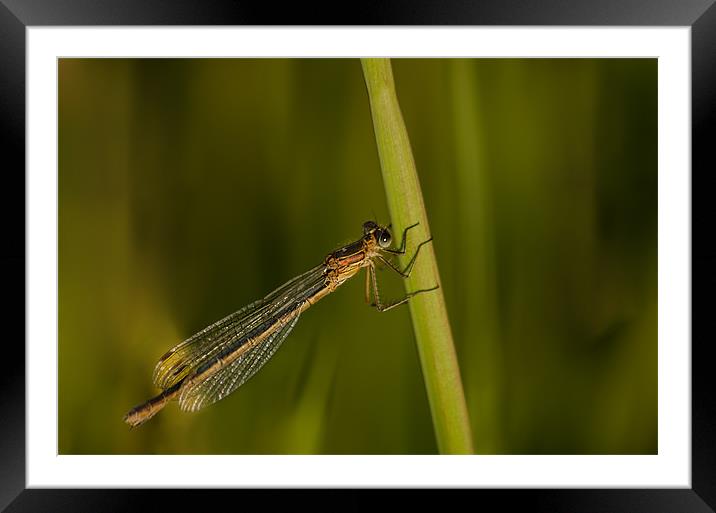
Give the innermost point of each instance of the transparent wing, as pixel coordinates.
(196, 396)
(205, 346)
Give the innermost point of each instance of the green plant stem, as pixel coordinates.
(429, 315)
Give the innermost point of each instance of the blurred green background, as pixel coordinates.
(191, 187)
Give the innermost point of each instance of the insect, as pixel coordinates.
(213, 363)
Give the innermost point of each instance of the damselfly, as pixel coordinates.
(216, 361)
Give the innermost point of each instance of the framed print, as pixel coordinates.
(472, 243)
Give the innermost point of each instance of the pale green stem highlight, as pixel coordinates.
(429, 315)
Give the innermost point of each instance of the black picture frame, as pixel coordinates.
(17, 15)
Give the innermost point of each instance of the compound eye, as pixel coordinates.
(384, 238)
(368, 227)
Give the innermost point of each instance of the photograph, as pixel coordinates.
(345, 256)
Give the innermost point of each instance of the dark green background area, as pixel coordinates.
(189, 188)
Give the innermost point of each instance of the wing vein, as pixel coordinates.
(205, 347)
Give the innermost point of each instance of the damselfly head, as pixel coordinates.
(382, 235)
